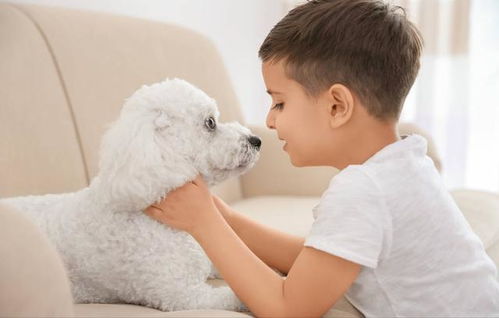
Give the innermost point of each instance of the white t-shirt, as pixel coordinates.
(419, 256)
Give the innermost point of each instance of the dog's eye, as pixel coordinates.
(210, 123)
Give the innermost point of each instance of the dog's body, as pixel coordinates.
(115, 253)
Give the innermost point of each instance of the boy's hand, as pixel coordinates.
(187, 208)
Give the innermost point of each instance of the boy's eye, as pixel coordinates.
(278, 106)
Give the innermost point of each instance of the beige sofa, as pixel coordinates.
(64, 75)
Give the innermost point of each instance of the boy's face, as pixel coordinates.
(301, 121)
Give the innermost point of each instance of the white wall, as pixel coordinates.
(237, 27)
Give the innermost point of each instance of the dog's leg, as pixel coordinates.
(182, 287)
(201, 296)
(209, 297)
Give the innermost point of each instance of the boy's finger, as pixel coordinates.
(153, 211)
(199, 181)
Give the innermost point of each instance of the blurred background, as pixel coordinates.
(455, 97)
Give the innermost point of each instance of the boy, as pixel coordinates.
(386, 231)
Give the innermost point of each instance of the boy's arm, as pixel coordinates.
(314, 283)
(275, 248)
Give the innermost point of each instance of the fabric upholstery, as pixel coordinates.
(290, 214)
(122, 310)
(40, 152)
(33, 280)
(481, 210)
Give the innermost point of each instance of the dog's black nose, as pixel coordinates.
(255, 141)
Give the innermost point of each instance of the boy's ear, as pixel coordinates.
(340, 105)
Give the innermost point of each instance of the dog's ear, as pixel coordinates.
(131, 163)
(161, 121)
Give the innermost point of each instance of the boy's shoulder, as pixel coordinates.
(397, 159)
(351, 183)
(391, 167)
(408, 147)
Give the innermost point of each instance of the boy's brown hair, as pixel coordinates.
(368, 46)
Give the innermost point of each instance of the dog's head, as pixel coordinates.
(166, 134)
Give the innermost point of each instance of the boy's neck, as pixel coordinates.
(367, 137)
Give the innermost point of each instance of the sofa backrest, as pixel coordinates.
(64, 76)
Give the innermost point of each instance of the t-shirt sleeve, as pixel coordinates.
(351, 220)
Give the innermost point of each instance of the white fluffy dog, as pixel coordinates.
(167, 133)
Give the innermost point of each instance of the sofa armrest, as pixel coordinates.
(274, 174)
(33, 280)
(481, 210)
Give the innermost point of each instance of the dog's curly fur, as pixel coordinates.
(113, 252)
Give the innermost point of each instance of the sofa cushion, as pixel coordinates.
(123, 310)
(40, 152)
(481, 210)
(290, 214)
(33, 280)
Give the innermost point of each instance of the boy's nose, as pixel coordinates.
(270, 120)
